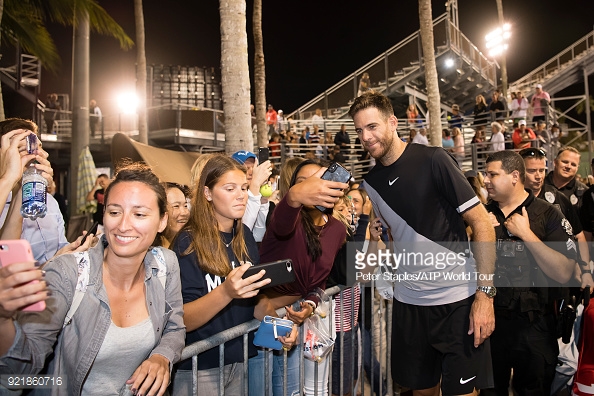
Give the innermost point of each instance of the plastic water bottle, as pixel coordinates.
(34, 193)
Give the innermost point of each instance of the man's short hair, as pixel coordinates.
(103, 175)
(372, 99)
(510, 161)
(11, 124)
(568, 148)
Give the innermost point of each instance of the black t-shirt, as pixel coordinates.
(574, 190)
(197, 283)
(561, 202)
(549, 225)
(421, 198)
(497, 106)
(426, 188)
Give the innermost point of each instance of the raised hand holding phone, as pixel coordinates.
(314, 191)
(335, 172)
(21, 281)
(92, 230)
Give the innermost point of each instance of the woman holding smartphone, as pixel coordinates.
(214, 250)
(128, 329)
(310, 238)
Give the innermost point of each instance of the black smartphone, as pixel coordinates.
(279, 272)
(263, 154)
(92, 230)
(335, 172)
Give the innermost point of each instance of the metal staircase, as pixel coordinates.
(562, 70)
(23, 77)
(399, 73)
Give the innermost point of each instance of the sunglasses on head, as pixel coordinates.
(532, 152)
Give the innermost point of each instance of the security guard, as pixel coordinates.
(535, 162)
(528, 273)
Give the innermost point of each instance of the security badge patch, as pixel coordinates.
(550, 197)
(567, 226)
(573, 199)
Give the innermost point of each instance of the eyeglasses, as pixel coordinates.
(532, 152)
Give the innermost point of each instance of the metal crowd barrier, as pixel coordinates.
(385, 309)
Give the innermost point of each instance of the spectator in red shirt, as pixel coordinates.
(523, 136)
(271, 119)
(274, 145)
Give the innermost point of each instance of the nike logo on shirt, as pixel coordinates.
(463, 381)
(393, 181)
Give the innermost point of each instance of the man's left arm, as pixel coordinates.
(482, 315)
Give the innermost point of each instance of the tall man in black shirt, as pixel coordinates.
(427, 209)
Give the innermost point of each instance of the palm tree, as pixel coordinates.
(259, 75)
(433, 100)
(24, 22)
(235, 76)
(140, 72)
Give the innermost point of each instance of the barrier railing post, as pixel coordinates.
(221, 369)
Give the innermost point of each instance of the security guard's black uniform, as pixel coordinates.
(525, 337)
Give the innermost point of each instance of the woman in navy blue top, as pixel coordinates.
(214, 251)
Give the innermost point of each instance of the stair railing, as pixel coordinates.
(556, 63)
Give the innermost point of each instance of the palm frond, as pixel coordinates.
(23, 25)
(64, 12)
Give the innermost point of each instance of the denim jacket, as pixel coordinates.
(80, 340)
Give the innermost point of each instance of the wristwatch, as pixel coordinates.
(490, 291)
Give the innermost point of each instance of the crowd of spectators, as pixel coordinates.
(167, 267)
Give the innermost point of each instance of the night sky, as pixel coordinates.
(309, 45)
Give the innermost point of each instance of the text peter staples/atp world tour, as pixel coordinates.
(414, 266)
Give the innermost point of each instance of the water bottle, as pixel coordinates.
(34, 193)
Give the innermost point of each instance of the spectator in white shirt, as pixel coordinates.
(497, 138)
(421, 137)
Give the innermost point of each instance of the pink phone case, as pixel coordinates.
(17, 251)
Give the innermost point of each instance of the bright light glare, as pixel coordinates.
(497, 40)
(127, 102)
(494, 41)
(449, 62)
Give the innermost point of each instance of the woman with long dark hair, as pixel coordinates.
(311, 238)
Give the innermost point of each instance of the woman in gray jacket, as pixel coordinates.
(127, 329)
